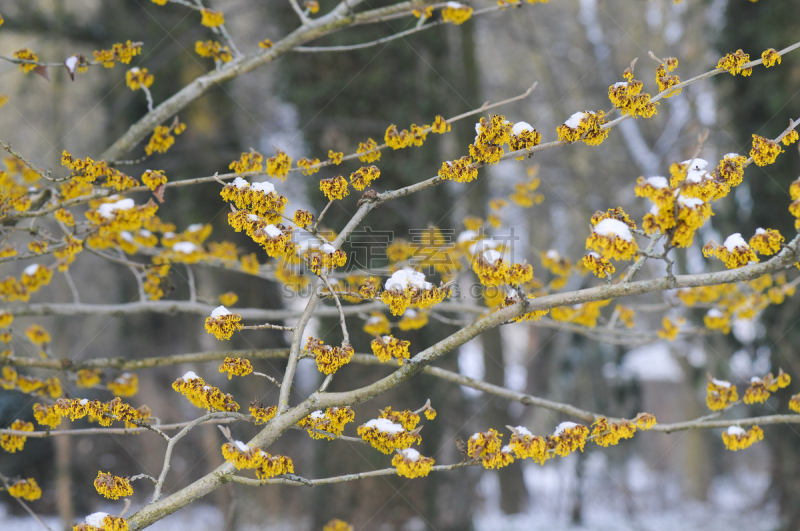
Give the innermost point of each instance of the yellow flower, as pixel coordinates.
(211, 18)
(154, 178)
(408, 288)
(119, 52)
(602, 267)
(411, 464)
(645, 421)
(770, 57)
(46, 415)
(334, 188)
(461, 170)
(214, 50)
(735, 252)
(252, 161)
(456, 13)
(6, 319)
(88, 378)
(794, 403)
(309, 166)
(37, 335)
(26, 55)
(27, 489)
(412, 320)
(585, 126)
(625, 315)
(607, 433)
(387, 436)
(387, 347)
(668, 330)
(236, 367)
(329, 358)
(790, 138)
(201, 395)
(720, 394)
(764, 150)
(337, 525)
(363, 177)
(626, 96)
(666, 82)
(766, 242)
(126, 384)
(736, 438)
(327, 425)
(222, 323)
(612, 238)
(717, 320)
(228, 298)
(12, 443)
(568, 437)
(161, 140)
(440, 125)
(734, 62)
(368, 151)
(262, 414)
(112, 487)
(266, 44)
(137, 78)
(376, 324)
(35, 276)
(524, 445)
(312, 6)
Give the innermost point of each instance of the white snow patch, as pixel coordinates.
(575, 120)
(520, 127)
(652, 362)
(657, 181)
(107, 209)
(273, 231)
(264, 187)
(71, 63)
(184, 247)
(219, 311)
(736, 431)
(564, 426)
(613, 227)
(385, 426)
(96, 519)
(31, 269)
(240, 183)
(410, 454)
(735, 240)
(189, 375)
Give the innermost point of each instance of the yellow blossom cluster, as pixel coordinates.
(790, 138)
(303, 218)
(46, 415)
(35, 276)
(329, 358)
(335, 157)
(112, 487)
(526, 445)
(214, 50)
(720, 394)
(13, 443)
(368, 151)
(669, 328)
(260, 199)
(336, 524)
(96, 411)
(27, 489)
(122, 53)
(399, 294)
(794, 403)
(493, 270)
(402, 139)
(411, 464)
(261, 413)
(202, 395)
(666, 81)
(412, 320)
(585, 314)
(25, 54)
(764, 150)
(211, 18)
(162, 138)
(331, 422)
(734, 63)
(736, 438)
(251, 457)
(625, 315)
(387, 436)
(600, 266)
(766, 242)
(87, 378)
(606, 433)
(585, 126)
(456, 13)
(377, 324)
(440, 125)
(364, 176)
(492, 135)
(487, 448)
(735, 252)
(308, 166)
(460, 170)
(137, 78)
(611, 236)
(771, 57)
(760, 388)
(388, 347)
(154, 178)
(236, 367)
(368, 289)
(27, 384)
(627, 97)
(407, 418)
(222, 323)
(102, 522)
(279, 165)
(324, 258)
(334, 188)
(248, 161)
